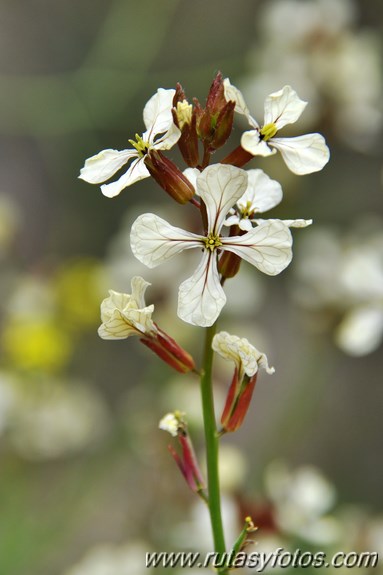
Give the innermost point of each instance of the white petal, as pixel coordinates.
(232, 220)
(251, 143)
(116, 300)
(158, 111)
(168, 140)
(303, 154)
(192, 174)
(139, 285)
(137, 171)
(267, 247)
(234, 95)
(361, 331)
(154, 241)
(246, 357)
(262, 192)
(245, 225)
(299, 223)
(201, 297)
(116, 327)
(102, 166)
(283, 107)
(220, 186)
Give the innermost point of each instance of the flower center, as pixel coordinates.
(247, 211)
(140, 145)
(212, 242)
(268, 131)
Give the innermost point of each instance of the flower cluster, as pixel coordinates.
(229, 200)
(225, 194)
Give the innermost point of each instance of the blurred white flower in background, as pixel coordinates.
(54, 418)
(302, 500)
(314, 45)
(343, 275)
(112, 559)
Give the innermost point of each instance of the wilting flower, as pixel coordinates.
(123, 315)
(247, 360)
(262, 194)
(201, 297)
(158, 120)
(302, 154)
(246, 357)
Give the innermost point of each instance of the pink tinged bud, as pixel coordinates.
(169, 351)
(187, 463)
(237, 401)
(169, 177)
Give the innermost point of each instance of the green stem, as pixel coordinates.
(212, 444)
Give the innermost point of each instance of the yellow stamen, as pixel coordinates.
(184, 113)
(268, 131)
(212, 242)
(140, 145)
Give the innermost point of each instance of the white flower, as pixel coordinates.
(201, 297)
(123, 315)
(171, 422)
(158, 120)
(302, 154)
(262, 194)
(246, 357)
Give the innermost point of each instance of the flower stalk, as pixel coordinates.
(212, 447)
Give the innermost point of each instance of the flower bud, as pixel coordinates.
(215, 122)
(176, 425)
(169, 177)
(229, 263)
(185, 118)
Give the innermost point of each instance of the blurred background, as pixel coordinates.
(86, 482)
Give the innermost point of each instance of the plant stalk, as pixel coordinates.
(212, 445)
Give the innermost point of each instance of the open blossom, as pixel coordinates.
(262, 194)
(201, 297)
(123, 315)
(246, 357)
(302, 154)
(158, 120)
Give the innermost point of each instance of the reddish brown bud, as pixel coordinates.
(229, 263)
(216, 98)
(188, 142)
(169, 177)
(224, 126)
(215, 122)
